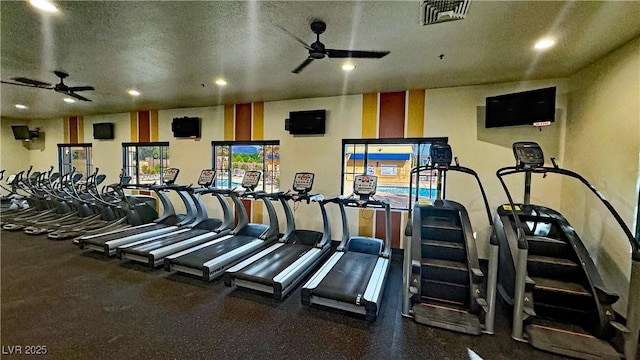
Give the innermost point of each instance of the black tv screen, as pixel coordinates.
(103, 131)
(310, 122)
(21, 132)
(522, 108)
(186, 127)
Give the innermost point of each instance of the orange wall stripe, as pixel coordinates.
(365, 222)
(73, 130)
(247, 206)
(415, 113)
(133, 122)
(243, 121)
(392, 111)
(258, 121)
(65, 129)
(229, 122)
(369, 116)
(154, 125)
(395, 227)
(144, 126)
(80, 129)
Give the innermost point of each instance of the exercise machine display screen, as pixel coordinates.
(303, 182)
(207, 177)
(251, 179)
(365, 184)
(170, 175)
(528, 155)
(441, 154)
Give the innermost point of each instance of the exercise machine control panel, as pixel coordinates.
(303, 182)
(441, 155)
(207, 177)
(251, 179)
(170, 175)
(365, 185)
(528, 155)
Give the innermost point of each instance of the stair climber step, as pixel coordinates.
(445, 292)
(445, 270)
(554, 268)
(545, 246)
(571, 295)
(443, 250)
(442, 233)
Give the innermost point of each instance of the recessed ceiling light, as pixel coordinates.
(133, 92)
(543, 44)
(69, 100)
(221, 82)
(44, 5)
(21, 107)
(348, 66)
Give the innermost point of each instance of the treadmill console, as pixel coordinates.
(365, 185)
(207, 177)
(441, 155)
(251, 179)
(170, 175)
(303, 182)
(528, 155)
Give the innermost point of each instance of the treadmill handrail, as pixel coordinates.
(509, 170)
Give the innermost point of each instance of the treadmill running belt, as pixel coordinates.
(196, 259)
(146, 248)
(100, 240)
(348, 278)
(266, 268)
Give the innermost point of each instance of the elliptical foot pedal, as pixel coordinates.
(447, 318)
(570, 343)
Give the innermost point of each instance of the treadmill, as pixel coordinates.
(152, 251)
(560, 302)
(168, 222)
(353, 278)
(210, 259)
(443, 285)
(279, 268)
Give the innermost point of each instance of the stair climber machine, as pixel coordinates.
(152, 251)
(354, 276)
(443, 285)
(560, 303)
(279, 268)
(210, 259)
(168, 222)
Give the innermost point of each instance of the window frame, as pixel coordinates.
(387, 141)
(229, 163)
(127, 166)
(64, 168)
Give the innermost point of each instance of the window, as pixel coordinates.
(75, 155)
(232, 158)
(145, 162)
(391, 160)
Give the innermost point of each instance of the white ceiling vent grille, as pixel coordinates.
(437, 11)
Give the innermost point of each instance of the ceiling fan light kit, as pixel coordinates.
(439, 11)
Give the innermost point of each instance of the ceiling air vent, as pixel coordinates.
(437, 11)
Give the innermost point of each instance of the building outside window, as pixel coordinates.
(145, 162)
(391, 160)
(232, 158)
(76, 156)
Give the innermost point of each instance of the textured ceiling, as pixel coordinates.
(173, 50)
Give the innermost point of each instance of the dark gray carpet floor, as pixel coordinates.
(82, 305)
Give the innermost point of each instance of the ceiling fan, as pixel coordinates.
(317, 50)
(61, 87)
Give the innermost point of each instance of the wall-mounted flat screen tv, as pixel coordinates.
(103, 131)
(186, 127)
(310, 122)
(21, 132)
(522, 108)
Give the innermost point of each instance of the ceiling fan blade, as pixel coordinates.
(295, 37)
(303, 65)
(27, 85)
(80, 88)
(334, 53)
(31, 82)
(79, 97)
